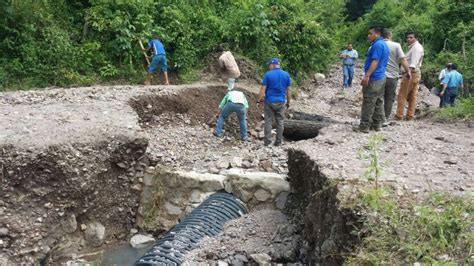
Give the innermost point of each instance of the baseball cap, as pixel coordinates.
(273, 61)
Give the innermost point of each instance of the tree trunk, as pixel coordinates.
(302, 129)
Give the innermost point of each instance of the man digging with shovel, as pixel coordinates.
(158, 60)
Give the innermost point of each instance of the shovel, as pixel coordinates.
(144, 53)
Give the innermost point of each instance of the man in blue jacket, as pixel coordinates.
(275, 90)
(452, 82)
(158, 60)
(372, 113)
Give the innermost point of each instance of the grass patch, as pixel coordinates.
(437, 231)
(370, 155)
(464, 109)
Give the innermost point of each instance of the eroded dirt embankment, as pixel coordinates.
(73, 161)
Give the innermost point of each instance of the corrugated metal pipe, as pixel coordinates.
(207, 219)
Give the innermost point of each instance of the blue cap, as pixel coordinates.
(273, 61)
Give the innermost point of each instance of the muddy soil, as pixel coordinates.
(199, 106)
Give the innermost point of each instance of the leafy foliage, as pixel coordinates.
(462, 110)
(83, 41)
(402, 231)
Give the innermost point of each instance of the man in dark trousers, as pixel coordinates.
(158, 60)
(452, 84)
(275, 91)
(396, 57)
(372, 113)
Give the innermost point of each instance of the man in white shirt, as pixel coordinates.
(396, 56)
(409, 87)
(229, 68)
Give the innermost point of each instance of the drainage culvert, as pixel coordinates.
(207, 219)
(301, 126)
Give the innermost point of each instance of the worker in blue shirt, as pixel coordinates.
(158, 60)
(372, 113)
(452, 82)
(349, 57)
(275, 89)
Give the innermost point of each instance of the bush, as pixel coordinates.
(464, 109)
(436, 231)
(64, 43)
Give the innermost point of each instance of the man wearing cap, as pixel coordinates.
(349, 57)
(452, 82)
(229, 68)
(158, 60)
(233, 102)
(275, 91)
(372, 113)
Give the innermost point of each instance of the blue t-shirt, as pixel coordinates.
(158, 48)
(453, 79)
(377, 51)
(276, 82)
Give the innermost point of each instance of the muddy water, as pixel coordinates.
(123, 256)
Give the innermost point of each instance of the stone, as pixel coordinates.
(83, 227)
(139, 241)
(222, 263)
(266, 164)
(241, 257)
(261, 195)
(261, 258)
(246, 164)
(222, 164)
(195, 197)
(137, 187)
(4, 261)
(4, 231)
(213, 170)
(236, 262)
(451, 161)
(319, 77)
(172, 209)
(280, 200)
(122, 165)
(328, 247)
(95, 234)
(236, 162)
(69, 223)
(243, 195)
(133, 231)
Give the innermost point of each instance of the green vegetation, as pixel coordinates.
(464, 109)
(371, 156)
(397, 231)
(44, 43)
(82, 42)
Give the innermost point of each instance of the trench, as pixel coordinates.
(112, 190)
